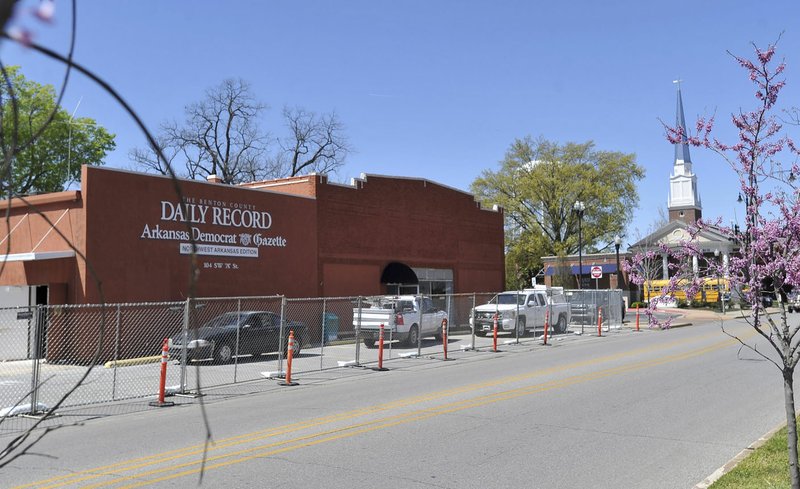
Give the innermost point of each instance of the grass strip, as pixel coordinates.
(766, 467)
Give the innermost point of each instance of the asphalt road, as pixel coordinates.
(655, 409)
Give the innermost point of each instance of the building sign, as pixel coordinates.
(214, 250)
(248, 228)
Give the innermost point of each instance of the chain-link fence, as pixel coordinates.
(73, 355)
(588, 306)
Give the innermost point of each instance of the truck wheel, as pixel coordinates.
(413, 336)
(561, 325)
(520, 327)
(369, 342)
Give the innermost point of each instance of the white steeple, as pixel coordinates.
(684, 200)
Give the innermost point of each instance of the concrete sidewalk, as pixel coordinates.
(685, 316)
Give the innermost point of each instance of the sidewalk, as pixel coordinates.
(682, 316)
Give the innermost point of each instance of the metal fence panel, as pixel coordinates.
(45, 351)
(231, 340)
(587, 305)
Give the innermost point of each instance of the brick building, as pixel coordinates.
(300, 237)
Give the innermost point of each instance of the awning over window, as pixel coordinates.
(587, 269)
(37, 256)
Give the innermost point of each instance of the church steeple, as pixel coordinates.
(682, 147)
(684, 200)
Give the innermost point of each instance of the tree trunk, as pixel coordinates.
(791, 426)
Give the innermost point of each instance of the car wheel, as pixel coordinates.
(413, 336)
(561, 325)
(369, 342)
(520, 327)
(223, 353)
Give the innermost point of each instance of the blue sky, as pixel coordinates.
(436, 89)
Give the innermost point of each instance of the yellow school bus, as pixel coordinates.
(709, 289)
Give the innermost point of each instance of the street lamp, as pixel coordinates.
(579, 208)
(617, 242)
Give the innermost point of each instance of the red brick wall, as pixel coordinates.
(416, 222)
(337, 244)
(45, 223)
(134, 268)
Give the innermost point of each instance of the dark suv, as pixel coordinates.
(238, 333)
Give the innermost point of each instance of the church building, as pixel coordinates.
(684, 209)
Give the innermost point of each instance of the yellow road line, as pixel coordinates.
(419, 415)
(138, 463)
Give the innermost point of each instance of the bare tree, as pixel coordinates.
(315, 143)
(155, 159)
(220, 136)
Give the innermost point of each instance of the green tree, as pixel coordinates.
(44, 146)
(537, 185)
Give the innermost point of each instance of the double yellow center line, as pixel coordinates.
(115, 473)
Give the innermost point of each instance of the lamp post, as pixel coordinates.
(617, 242)
(579, 208)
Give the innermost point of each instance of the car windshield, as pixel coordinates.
(227, 319)
(508, 299)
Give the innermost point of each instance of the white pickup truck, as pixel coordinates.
(406, 318)
(524, 310)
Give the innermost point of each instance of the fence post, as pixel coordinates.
(358, 333)
(116, 356)
(516, 319)
(281, 339)
(239, 339)
(37, 333)
(585, 314)
(324, 336)
(444, 337)
(419, 327)
(185, 343)
(472, 323)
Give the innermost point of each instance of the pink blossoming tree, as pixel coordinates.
(768, 258)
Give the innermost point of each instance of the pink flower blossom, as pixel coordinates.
(46, 10)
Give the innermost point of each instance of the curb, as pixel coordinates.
(128, 362)
(705, 483)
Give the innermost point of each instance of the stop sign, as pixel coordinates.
(597, 272)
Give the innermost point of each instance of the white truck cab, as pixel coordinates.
(520, 311)
(405, 317)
